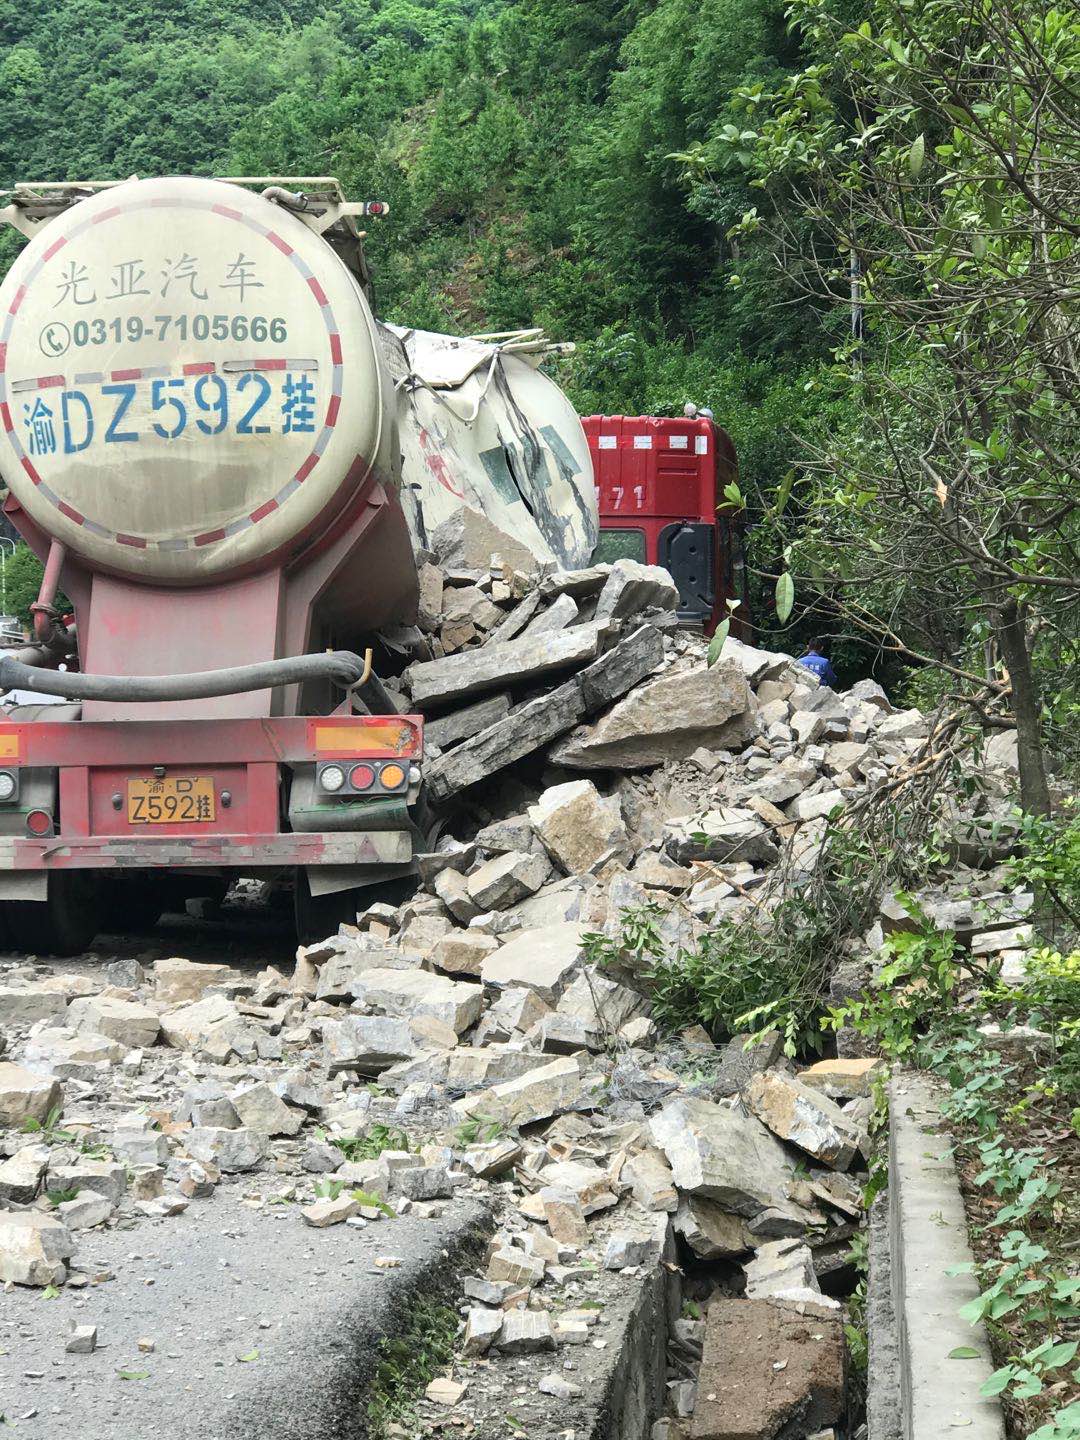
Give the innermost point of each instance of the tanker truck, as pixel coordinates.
(228, 466)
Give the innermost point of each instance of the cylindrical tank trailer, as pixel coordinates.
(227, 464)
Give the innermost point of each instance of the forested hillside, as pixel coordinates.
(696, 192)
(527, 151)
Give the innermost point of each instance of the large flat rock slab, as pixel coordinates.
(768, 1371)
(667, 719)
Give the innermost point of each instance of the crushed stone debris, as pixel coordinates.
(462, 1043)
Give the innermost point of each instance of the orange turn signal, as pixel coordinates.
(393, 777)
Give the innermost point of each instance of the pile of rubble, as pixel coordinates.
(465, 1042)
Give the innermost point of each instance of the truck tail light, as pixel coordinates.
(393, 777)
(332, 778)
(362, 777)
(9, 786)
(39, 824)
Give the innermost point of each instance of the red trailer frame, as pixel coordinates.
(98, 763)
(660, 489)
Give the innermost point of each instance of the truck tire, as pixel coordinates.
(63, 924)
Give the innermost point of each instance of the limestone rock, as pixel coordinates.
(547, 1090)
(587, 1181)
(493, 1158)
(338, 974)
(602, 1004)
(632, 587)
(132, 1025)
(471, 1068)
(869, 692)
(651, 1182)
(513, 1265)
(556, 617)
(784, 1270)
(725, 836)
(623, 1251)
(85, 1211)
(25, 1095)
(541, 960)
(452, 888)
(418, 992)
(665, 719)
(330, 1212)
(463, 953)
(482, 1328)
(103, 1177)
(33, 1248)
(816, 807)
(496, 665)
(264, 1112)
(368, 1044)
(723, 1155)
(21, 1175)
(578, 828)
(134, 1141)
(190, 1026)
(756, 665)
(177, 981)
(27, 1004)
(709, 1230)
(738, 1061)
(536, 722)
(467, 540)
(525, 1332)
(505, 879)
(842, 1079)
(804, 1117)
(469, 720)
(1001, 751)
(565, 1215)
(230, 1150)
(903, 725)
(61, 1049)
(514, 833)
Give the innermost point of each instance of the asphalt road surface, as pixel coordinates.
(263, 1329)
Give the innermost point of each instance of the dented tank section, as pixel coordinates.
(481, 426)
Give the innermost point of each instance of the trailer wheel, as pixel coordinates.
(63, 924)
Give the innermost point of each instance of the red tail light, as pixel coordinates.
(39, 823)
(361, 777)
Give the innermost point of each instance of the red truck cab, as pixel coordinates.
(660, 489)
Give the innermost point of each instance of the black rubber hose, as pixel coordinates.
(340, 666)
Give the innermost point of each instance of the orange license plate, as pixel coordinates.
(186, 799)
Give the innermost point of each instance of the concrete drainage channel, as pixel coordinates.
(919, 1387)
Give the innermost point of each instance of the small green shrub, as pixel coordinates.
(407, 1362)
(479, 1128)
(370, 1145)
(1049, 863)
(913, 990)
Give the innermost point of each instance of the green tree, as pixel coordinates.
(936, 152)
